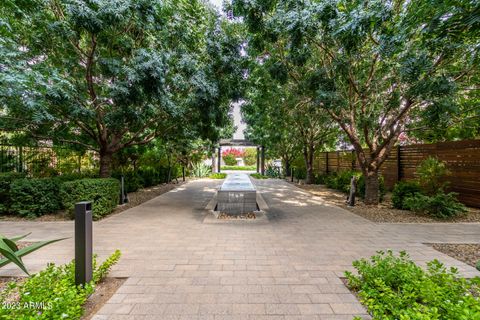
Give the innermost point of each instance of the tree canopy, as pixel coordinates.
(108, 75)
(378, 68)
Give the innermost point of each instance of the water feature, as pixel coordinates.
(237, 195)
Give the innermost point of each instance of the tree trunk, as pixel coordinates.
(286, 165)
(105, 164)
(372, 194)
(308, 153)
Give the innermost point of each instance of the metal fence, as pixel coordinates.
(44, 161)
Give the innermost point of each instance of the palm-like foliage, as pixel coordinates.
(11, 252)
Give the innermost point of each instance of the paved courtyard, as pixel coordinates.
(287, 268)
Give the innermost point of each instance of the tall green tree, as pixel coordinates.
(108, 74)
(281, 117)
(372, 64)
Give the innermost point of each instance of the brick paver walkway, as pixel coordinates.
(287, 268)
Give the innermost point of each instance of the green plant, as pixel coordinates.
(273, 172)
(55, 290)
(132, 180)
(242, 168)
(200, 170)
(35, 197)
(431, 175)
(217, 176)
(299, 173)
(6, 180)
(229, 159)
(250, 156)
(12, 254)
(478, 265)
(342, 180)
(258, 176)
(103, 192)
(403, 190)
(441, 205)
(394, 287)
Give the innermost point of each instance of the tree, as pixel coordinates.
(283, 118)
(109, 75)
(372, 64)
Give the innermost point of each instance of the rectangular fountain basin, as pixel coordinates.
(237, 195)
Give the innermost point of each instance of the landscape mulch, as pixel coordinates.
(384, 212)
(465, 252)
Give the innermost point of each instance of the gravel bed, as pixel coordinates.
(384, 212)
(465, 252)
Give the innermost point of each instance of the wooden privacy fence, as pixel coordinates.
(461, 157)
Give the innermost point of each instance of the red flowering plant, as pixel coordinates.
(230, 155)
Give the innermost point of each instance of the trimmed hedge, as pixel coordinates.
(35, 197)
(104, 193)
(6, 180)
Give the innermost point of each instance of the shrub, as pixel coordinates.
(478, 265)
(250, 156)
(342, 180)
(200, 170)
(35, 197)
(76, 176)
(103, 192)
(442, 205)
(320, 178)
(394, 287)
(230, 155)
(6, 180)
(55, 288)
(273, 172)
(229, 160)
(132, 180)
(217, 176)
(431, 174)
(300, 173)
(403, 190)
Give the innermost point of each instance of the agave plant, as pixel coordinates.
(11, 253)
(200, 170)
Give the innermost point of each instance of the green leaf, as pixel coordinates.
(20, 237)
(27, 250)
(10, 255)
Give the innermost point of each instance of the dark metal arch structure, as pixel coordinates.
(216, 163)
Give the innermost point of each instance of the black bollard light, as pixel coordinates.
(353, 190)
(83, 242)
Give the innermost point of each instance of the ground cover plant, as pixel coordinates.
(258, 176)
(394, 287)
(241, 168)
(217, 175)
(431, 197)
(52, 293)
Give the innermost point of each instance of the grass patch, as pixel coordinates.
(258, 176)
(239, 168)
(218, 176)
